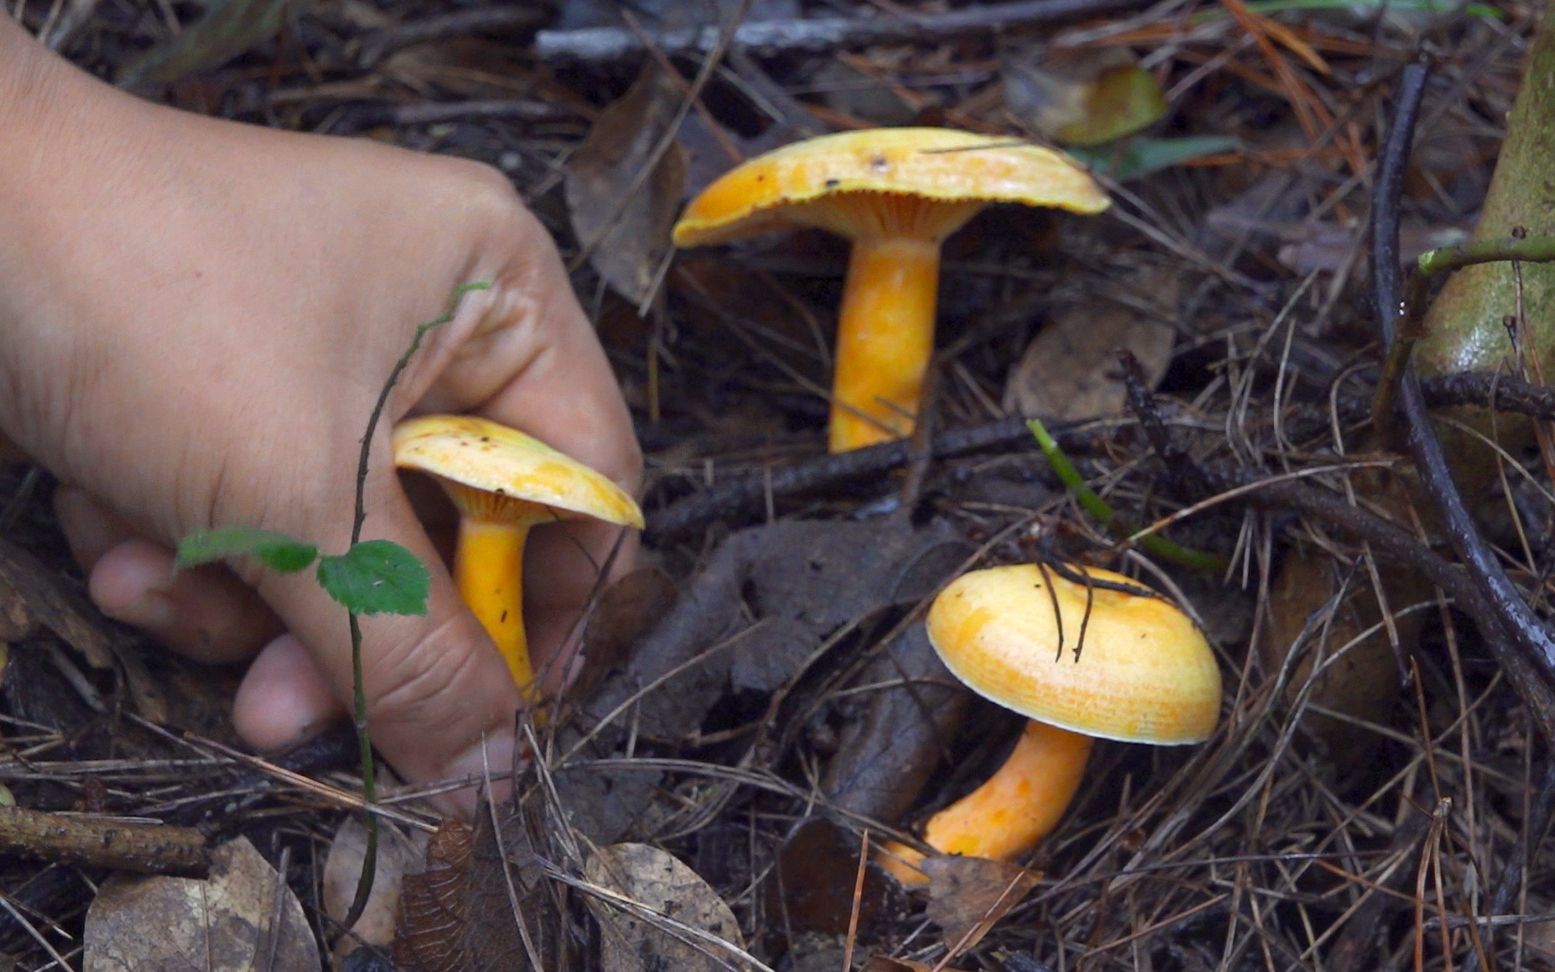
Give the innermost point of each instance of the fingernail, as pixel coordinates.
(152, 611)
(132, 582)
(490, 760)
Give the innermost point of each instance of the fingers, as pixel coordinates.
(565, 560)
(528, 357)
(284, 698)
(206, 614)
(436, 689)
(568, 397)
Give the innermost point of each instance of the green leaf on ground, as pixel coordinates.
(1119, 101)
(1142, 156)
(226, 29)
(376, 577)
(275, 550)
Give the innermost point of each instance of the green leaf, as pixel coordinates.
(275, 550)
(226, 29)
(376, 577)
(1142, 156)
(1121, 101)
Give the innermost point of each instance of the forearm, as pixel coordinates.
(37, 89)
(63, 135)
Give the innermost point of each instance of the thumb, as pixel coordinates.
(440, 702)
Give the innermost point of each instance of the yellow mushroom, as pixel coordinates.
(1144, 673)
(503, 482)
(897, 193)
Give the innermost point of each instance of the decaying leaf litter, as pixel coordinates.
(760, 697)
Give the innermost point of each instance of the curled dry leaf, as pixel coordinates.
(399, 853)
(812, 887)
(968, 896)
(681, 922)
(1070, 371)
(242, 917)
(622, 218)
(433, 903)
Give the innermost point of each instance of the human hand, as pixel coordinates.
(195, 320)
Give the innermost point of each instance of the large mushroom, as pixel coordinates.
(1097, 659)
(897, 193)
(504, 482)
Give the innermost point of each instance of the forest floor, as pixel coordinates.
(1375, 795)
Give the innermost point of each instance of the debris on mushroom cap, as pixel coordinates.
(938, 164)
(483, 455)
(1144, 672)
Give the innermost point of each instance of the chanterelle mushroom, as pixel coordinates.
(896, 193)
(503, 482)
(1143, 673)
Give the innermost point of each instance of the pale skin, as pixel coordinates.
(195, 319)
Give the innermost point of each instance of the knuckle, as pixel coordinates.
(485, 189)
(422, 683)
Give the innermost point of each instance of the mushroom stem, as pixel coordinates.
(489, 572)
(1016, 807)
(885, 337)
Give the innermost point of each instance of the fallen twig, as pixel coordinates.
(92, 841)
(601, 45)
(500, 18)
(739, 499)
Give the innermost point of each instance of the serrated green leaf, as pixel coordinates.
(376, 577)
(275, 550)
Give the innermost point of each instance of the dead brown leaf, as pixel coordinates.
(621, 218)
(676, 904)
(968, 896)
(507, 885)
(625, 610)
(399, 854)
(432, 919)
(242, 917)
(1070, 370)
(812, 889)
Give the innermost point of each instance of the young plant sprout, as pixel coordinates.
(1083, 662)
(897, 193)
(503, 482)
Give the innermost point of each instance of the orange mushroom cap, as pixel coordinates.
(1144, 673)
(494, 472)
(839, 181)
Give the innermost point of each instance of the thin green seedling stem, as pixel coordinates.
(1107, 516)
(1411, 328)
(364, 884)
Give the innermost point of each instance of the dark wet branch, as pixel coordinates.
(1515, 635)
(739, 499)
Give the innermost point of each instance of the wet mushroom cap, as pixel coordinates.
(501, 467)
(1145, 672)
(797, 183)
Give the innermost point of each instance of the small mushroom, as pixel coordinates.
(1101, 660)
(503, 482)
(897, 193)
